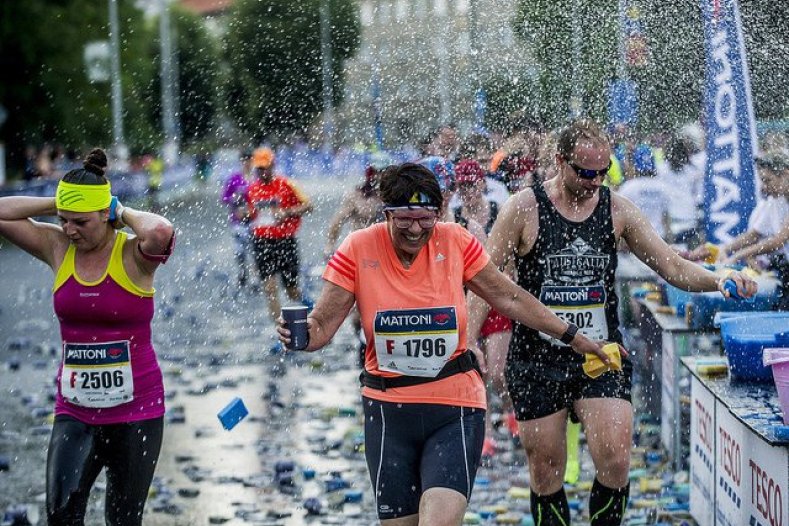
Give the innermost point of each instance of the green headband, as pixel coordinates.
(82, 197)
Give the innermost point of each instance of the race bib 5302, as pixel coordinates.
(582, 306)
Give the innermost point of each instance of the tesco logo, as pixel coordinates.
(704, 425)
(766, 495)
(731, 456)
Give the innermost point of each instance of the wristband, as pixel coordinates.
(113, 208)
(159, 258)
(569, 334)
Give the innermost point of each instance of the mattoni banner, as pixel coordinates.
(730, 184)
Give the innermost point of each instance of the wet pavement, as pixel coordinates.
(297, 458)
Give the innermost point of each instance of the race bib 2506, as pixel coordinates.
(97, 374)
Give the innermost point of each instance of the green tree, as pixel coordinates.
(45, 88)
(197, 57)
(547, 26)
(766, 35)
(671, 86)
(671, 83)
(274, 54)
(512, 99)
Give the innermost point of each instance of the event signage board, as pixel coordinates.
(729, 182)
(731, 468)
(702, 453)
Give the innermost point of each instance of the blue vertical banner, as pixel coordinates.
(480, 109)
(622, 102)
(377, 112)
(730, 175)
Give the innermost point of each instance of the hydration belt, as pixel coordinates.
(464, 363)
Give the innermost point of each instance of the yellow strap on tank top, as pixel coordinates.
(114, 269)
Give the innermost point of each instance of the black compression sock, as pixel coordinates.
(606, 505)
(550, 510)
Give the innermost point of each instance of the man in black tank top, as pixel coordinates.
(563, 236)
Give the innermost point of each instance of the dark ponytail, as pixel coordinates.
(95, 166)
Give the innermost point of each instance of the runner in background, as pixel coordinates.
(360, 208)
(154, 165)
(476, 214)
(519, 171)
(234, 196)
(444, 172)
(275, 205)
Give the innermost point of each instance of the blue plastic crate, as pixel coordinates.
(704, 305)
(719, 317)
(744, 340)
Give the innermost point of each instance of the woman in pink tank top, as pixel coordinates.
(110, 400)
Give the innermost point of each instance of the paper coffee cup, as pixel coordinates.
(296, 322)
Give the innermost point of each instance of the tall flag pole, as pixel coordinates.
(729, 181)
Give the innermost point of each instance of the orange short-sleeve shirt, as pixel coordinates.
(367, 266)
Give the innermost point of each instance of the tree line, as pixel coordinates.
(259, 74)
(670, 79)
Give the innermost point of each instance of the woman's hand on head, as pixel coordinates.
(116, 214)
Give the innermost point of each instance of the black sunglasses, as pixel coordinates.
(588, 173)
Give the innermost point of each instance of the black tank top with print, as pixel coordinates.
(571, 270)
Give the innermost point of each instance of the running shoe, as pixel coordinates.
(512, 423)
(488, 447)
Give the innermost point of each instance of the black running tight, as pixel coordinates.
(79, 451)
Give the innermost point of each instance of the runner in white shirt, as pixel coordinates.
(648, 192)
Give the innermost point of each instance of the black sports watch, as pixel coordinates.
(569, 334)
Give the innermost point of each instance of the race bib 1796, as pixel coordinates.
(415, 342)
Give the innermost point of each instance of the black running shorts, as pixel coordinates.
(544, 388)
(278, 256)
(411, 448)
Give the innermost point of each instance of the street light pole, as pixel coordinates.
(480, 97)
(119, 144)
(326, 60)
(377, 104)
(167, 81)
(576, 105)
(621, 70)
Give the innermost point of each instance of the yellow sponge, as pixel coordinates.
(594, 367)
(712, 253)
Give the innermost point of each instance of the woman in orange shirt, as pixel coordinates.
(424, 398)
